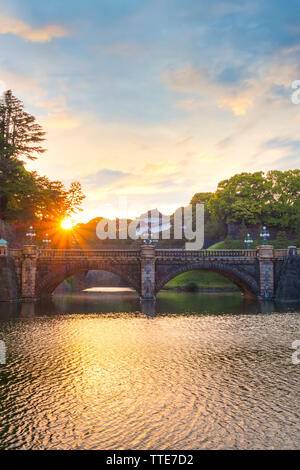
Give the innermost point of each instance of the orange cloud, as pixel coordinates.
(238, 104)
(20, 28)
(194, 80)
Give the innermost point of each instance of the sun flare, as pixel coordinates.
(67, 224)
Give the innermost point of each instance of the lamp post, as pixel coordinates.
(46, 240)
(248, 240)
(31, 234)
(150, 241)
(264, 235)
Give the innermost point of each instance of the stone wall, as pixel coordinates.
(288, 288)
(8, 280)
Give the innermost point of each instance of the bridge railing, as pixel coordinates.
(50, 253)
(77, 253)
(280, 253)
(206, 253)
(3, 250)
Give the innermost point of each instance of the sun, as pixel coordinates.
(67, 224)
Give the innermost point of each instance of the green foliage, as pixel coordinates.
(17, 187)
(192, 286)
(243, 232)
(254, 198)
(195, 280)
(282, 240)
(230, 244)
(213, 228)
(53, 201)
(239, 199)
(20, 135)
(283, 196)
(71, 280)
(24, 195)
(201, 198)
(297, 231)
(27, 196)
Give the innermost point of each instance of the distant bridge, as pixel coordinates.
(39, 271)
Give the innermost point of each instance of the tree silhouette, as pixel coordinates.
(20, 135)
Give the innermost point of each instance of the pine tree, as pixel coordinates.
(282, 240)
(20, 135)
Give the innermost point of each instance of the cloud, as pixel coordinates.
(20, 28)
(59, 116)
(238, 104)
(104, 177)
(112, 125)
(264, 82)
(193, 80)
(282, 142)
(285, 150)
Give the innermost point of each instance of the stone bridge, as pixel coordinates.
(37, 272)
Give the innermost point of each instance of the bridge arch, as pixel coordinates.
(245, 281)
(49, 277)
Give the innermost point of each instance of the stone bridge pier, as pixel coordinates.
(27, 273)
(148, 272)
(266, 272)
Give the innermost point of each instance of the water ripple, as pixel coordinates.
(129, 382)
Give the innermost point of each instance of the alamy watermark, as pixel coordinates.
(2, 353)
(187, 223)
(295, 96)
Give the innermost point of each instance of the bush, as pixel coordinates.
(192, 287)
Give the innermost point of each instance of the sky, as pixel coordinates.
(146, 102)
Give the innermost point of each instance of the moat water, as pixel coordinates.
(98, 370)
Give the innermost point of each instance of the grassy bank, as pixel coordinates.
(197, 280)
(230, 244)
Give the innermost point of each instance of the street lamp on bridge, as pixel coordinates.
(46, 240)
(265, 235)
(31, 234)
(248, 240)
(150, 241)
